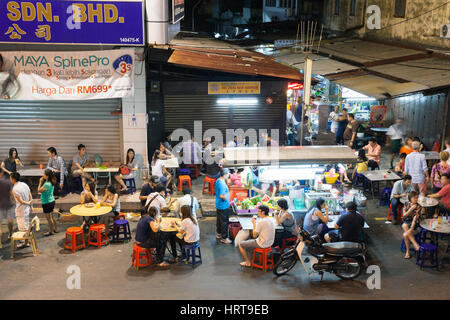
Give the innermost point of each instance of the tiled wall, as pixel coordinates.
(134, 134)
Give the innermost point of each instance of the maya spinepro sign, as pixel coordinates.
(71, 21)
(177, 8)
(74, 75)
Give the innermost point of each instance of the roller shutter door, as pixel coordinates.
(33, 126)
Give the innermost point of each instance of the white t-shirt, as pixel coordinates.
(266, 232)
(334, 123)
(23, 191)
(192, 230)
(186, 201)
(396, 131)
(158, 202)
(289, 116)
(157, 168)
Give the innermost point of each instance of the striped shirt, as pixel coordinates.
(58, 163)
(416, 166)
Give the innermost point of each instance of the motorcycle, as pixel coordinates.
(345, 259)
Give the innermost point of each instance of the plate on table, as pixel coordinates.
(89, 205)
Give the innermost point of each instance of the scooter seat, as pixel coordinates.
(343, 248)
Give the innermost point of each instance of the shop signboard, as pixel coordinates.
(378, 114)
(243, 87)
(67, 75)
(72, 22)
(177, 7)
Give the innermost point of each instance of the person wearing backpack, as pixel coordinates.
(187, 200)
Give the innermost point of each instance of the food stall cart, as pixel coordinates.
(300, 172)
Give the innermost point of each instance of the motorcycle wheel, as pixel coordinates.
(353, 268)
(284, 265)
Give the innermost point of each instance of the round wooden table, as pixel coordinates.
(83, 211)
(166, 222)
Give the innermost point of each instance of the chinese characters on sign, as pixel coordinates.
(66, 21)
(234, 87)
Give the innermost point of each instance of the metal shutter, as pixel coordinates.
(33, 126)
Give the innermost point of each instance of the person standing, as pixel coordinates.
(57, 164)
(396, 133)
(373, 154)
(438, 170)
(46, 188)
(9, 165)
(223, 206)
(416, 166)
(6, 204)
(400, 190)
(334, 117)
(351, 130)
(23, 197)
(80, 160)
(342, 124)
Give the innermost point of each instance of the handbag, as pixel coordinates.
(124, 170)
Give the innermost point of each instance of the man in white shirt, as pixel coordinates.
(187, 200)
(233, 143)
(396, 132)
(263, 235)
(23, 197)
(157, 200)
(416, 167)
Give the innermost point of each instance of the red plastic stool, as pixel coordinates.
(264, 262)
(136, 260)
(195, 167)
(97, 235)
(182, 179)
(209, 185)
(399, 213)
(72, 243)
(287, 243)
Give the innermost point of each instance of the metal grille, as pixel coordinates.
(33, 126)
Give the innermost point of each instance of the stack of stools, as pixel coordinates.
(121, 231)
(137, 256)
(264, 262)
(183, 179)
(209, 185)
(189, 252)
(98, 235)
(195, 167)
(399, 212)
(131, 185)
(71, 242)
(385, 197)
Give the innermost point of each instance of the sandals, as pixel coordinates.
(245, 264)
(408, 256)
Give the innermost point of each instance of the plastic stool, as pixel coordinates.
(287, 243)
(72, 243)
(403, 245)
(131, 185)
(209, 185)
(189, 253)
(385, 197)
(182, 179)
(264, 262)
(137, 252)
(76, 185)
(184, 172)
(399, 212)
(428, 252)
(99, 235)
(425, 235)
(121, 228)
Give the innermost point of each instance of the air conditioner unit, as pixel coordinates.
(445, 31)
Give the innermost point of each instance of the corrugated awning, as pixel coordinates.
(288, 155)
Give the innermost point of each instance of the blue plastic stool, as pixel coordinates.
(184, 172)
(385, 197)
(428, 252)
(426, 235)
(190, 254)
(131, 185)
(403, 245)
(77, 185)
(122, 230)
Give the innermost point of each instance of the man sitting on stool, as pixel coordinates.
(373, 154)
(348, 227)
(400, 189)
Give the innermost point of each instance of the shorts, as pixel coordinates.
(7, 213)
(48, 207)
(23, 222)
(396, 144)
(250, 244)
